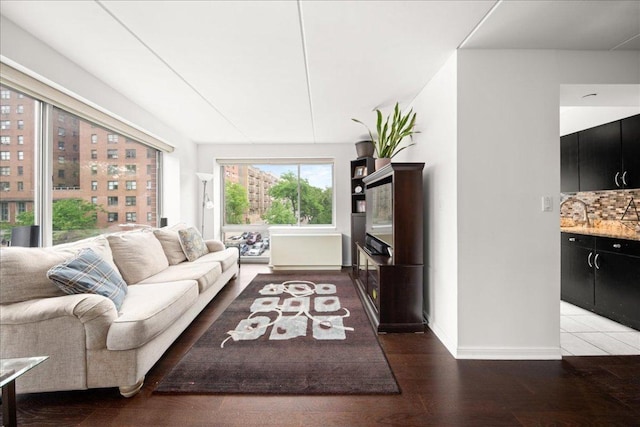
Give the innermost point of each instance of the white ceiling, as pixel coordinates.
(297, 71)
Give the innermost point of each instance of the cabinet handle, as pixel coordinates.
(624, 178)
(572, 239)
(589, 259)
(616, 179)
(617, 245)
(595, 262)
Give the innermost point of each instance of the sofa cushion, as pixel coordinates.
(192, 243)
(23, 273)
(204, 273)
(89, 273)
(170, 241)
(226, 258)
(215, 245)
(138, 255)
(148, 310)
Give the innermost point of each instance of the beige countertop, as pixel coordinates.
(616, 229)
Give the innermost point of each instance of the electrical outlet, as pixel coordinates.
(547, 204)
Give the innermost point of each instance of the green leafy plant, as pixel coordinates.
(390, 134)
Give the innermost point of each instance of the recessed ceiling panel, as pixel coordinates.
(86, 34)
(364, 55)
(559, 24)
(244, 57)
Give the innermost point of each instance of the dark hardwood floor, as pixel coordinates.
(437, 390)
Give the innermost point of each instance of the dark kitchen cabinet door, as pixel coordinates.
(600, 157)
(630, 129)
(617, 290)
(569, 172)
(577, 277)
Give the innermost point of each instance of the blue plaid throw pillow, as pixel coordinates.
(89, 273)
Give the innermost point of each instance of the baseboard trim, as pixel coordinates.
(509, 353)
(492, 353)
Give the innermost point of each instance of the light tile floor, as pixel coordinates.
(583, 333)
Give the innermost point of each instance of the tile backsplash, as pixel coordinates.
(603, 205)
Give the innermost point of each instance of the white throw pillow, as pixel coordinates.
(170, 241)
(138, 255)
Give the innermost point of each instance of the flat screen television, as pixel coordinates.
(380, 211)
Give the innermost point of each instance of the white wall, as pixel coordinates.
(207, 156)
(34, 55)
(508, 158)
(436, 145)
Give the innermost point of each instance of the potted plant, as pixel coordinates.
(395, 128)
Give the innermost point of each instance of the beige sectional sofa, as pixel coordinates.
(89, 342)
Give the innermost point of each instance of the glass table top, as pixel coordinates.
(10, 369)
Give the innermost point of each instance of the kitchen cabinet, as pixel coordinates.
(608, 157)
(576, 269)
(600, 157)
(602, 275)
(617, 281)
(630, 135)
(569, 171)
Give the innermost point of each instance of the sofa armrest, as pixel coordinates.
(94, 312)
(215, 245)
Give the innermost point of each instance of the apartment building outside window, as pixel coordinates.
(131, 217)
(112, 201)
(130, 200)
(5, 109)
(80, 179)
(131, 185)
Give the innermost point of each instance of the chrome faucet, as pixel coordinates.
(584, 207)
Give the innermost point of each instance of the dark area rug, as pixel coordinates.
(321, 343)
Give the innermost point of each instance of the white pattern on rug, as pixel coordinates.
(286, 327)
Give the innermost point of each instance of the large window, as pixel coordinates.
(258, 194)
(17, 186)
(84, 190)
